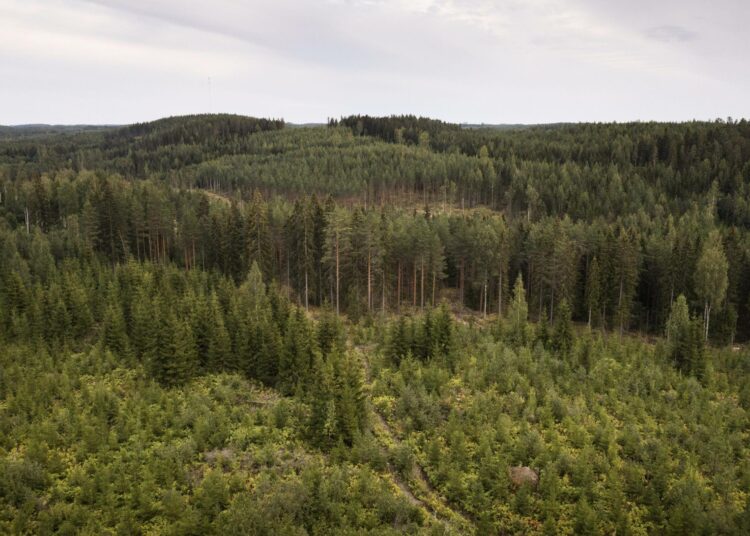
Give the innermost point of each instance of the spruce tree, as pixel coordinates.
(518, 313)
(398, 340)
(114, 336)
(593, 292)
(182, 359)
(219, 352)
(562, 337)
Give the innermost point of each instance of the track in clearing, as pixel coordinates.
(418, 490)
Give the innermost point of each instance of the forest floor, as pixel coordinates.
(417, 488)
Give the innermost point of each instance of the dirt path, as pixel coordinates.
(417, 490)
(216, 196)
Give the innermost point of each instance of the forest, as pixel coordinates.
(219, 324)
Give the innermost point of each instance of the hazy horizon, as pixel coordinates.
(324, 122)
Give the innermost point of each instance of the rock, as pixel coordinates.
(523, 475)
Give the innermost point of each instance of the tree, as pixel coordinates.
(256, 233)
(182, 359)
(300, 233)
(711, 276)
(399, 342)
(562, 337)
(337, 249)
(518, 313)
(686, 341)
(219, 350)
(593, 289)
(114, 336)
(626, 269)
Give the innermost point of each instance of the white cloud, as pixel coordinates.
(460, 60)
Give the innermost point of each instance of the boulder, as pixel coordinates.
(523, 475)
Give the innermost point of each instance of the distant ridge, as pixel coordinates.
(8, 132)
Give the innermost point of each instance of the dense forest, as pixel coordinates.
(222, 324)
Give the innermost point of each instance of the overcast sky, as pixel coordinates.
(492, 61)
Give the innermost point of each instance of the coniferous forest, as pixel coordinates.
(218, 324)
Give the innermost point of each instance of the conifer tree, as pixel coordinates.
(686, 340)
(398, 340)
(518, 313)
(593, 292)
(542, 329)
(114, 336)
(562, 338)
(219, 351)
(183, 357)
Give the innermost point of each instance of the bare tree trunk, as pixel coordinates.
(434, 281)
(414, 286)
(552, 306)
(421, 289)
(707, 315)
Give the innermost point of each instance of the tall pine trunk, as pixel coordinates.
(421, 289)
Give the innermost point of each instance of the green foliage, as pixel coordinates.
(103, 449)
(154, 277)
(686, 340)
(518, 312)
(562, 336)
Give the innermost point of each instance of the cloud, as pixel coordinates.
(460, 60)
(669, 33)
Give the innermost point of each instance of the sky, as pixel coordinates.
(472, 61)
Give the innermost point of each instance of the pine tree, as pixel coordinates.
(322, 425)
(183, 359)
(330, 331)
(398, 340)
(114, 336)
(626, 271)
(518, 313)
(542, 329)
(443, 331)
(562, 338)
(219, 352)
(697, 356)
(257, 234)
(593, 292)
(351, 407)
(338, 245)
(686, 340)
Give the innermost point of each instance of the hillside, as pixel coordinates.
(229, 325)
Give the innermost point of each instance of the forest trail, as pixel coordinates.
(222, 198)
(418, 490)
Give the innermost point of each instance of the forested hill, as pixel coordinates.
(225, 325)
(36, 131)
(618, 219)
